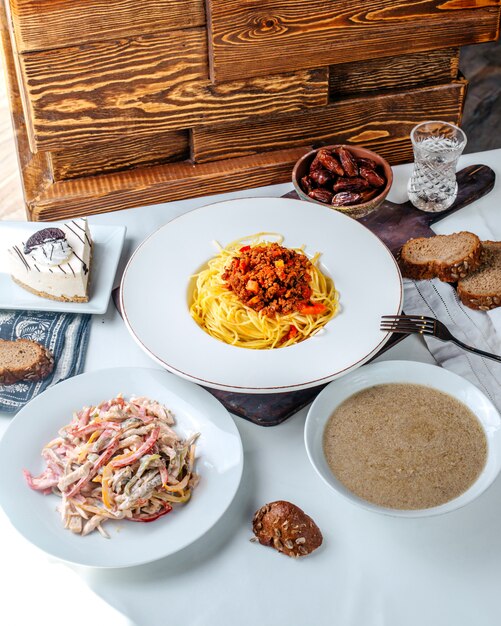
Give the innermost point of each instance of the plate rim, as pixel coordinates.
(225, 415)
(238, 388)
(55, 306)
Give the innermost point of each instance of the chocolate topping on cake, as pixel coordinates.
(46, 235)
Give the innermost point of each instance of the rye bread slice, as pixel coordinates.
(482, 288)
(24, 359)
(448, 257)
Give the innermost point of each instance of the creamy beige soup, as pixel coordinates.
(405, 446)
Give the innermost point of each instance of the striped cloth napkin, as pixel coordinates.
(479, 329)
(65, 334)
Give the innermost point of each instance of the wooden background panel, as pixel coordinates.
(174, 181)
(20, 86)
(146, 85)
(34, 168)
(130, 151)
(253, 38)
(45, 24)
(373, 122)
(406, 71)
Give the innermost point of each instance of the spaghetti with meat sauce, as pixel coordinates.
(271, 279)
(262, 295)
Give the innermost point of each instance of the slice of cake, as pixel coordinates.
(55, 262)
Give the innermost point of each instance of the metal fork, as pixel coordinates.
(427, 326)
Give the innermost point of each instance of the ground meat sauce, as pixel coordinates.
(271, 279)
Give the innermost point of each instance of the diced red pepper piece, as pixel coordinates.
(313, 309)
(292, 332)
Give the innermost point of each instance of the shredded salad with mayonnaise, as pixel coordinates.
(118, 460)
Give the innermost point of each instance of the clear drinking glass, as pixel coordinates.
(437, 148)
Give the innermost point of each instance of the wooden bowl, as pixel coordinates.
(302, 168)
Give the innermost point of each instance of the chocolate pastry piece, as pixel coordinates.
(285, 527)
(46, 235)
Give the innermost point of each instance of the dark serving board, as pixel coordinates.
(394, 224)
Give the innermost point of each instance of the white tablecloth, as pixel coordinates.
(371, 571)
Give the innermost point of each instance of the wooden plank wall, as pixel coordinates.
(440, 66)
(118, 96)
(121, 154)
(35, 168)
(174, 181)
(381, 123)
(146, 85)
(136, 187)
(249, 38)
(406, 71)
(46, 24)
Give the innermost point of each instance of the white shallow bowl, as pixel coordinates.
(155, 295)
(219, 463)
(404, 372)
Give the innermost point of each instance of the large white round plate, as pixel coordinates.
(219, 463)
(156, 291)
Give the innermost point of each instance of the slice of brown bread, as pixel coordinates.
(448, 257)
(24, 359)
(482, 288)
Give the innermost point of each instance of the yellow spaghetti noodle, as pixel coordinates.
(220, 312)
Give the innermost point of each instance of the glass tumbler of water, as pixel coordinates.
(437, 147)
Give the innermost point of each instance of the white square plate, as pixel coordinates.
(108, 242)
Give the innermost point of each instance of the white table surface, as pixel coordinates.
(372, 570)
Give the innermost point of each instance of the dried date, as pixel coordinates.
(315, 164)
(322, 177)
(367, 195)
(367, 163)
(345, 198)
(340, 178)
(306, 184)
(350, 184)
(348, 162)
(330, 162)
(371, 176)
(322, 195)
